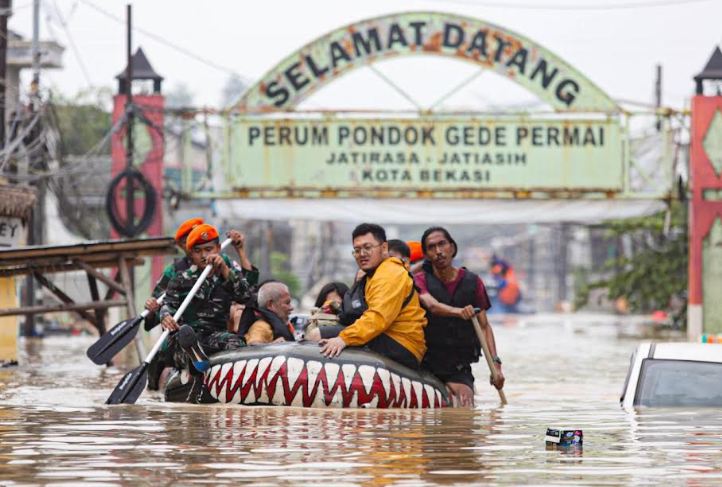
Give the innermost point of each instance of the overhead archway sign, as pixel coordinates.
(273, 152)
(425, 33)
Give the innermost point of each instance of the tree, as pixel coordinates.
(654, 273)
(83, 120)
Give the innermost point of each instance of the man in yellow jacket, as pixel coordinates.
(391, 321)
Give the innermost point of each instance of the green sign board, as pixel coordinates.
(428, 155)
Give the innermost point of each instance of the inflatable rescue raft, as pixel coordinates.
(296, 374)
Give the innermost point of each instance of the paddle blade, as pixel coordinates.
(115, 340)
(130, 387)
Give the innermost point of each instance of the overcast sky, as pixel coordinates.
(615, 48)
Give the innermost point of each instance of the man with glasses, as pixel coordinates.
(450, 295)
(385, 311)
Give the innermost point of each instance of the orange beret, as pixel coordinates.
(201, 234)
(416, 252)
(185, 228)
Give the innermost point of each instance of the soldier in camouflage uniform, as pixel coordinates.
(250, 272)
(208, 311)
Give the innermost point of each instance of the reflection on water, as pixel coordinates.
(55, 428)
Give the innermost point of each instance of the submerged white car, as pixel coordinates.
(674, 375)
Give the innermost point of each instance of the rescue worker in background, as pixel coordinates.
(450, 295)
(384, 306)
(508, 294)
(269, 319)
(208, 312)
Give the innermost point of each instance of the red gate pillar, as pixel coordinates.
(704, 313)
(149, 142)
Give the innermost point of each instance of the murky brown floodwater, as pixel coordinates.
(55, 429)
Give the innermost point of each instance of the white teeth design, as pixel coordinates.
(438, 397)
(406, 384)
(213, 377)
(313, 369)
(367, 376)
(238, 371)
(332, 371)
(250, 367)
(276, 364)
(430, 393)
(263, 366)
(348, 372)
(294, 367)
(396, 381)
(385, 377)
(418, 388)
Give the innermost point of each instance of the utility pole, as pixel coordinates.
(129, 147)
(658, 95)
(5, 11)
(35, 84)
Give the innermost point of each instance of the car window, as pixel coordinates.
(664, 383)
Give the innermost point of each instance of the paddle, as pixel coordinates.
(487, 353)
(132, 385)
(114, 340)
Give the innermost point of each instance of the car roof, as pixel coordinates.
(700, 352)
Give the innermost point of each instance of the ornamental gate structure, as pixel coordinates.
(579, 147)
(577, 150)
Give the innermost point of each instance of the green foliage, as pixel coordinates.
(83, 120)
(653, 275)
(279, 271)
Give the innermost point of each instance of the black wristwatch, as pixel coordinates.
(496, 359)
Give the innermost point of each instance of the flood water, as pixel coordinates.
(55, 429)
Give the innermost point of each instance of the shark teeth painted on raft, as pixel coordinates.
(294, 367)
(348, 371)
(278, 395)
(367, 374)
(385, 377)
(406, 384)
(430, 394)
(396, 381)
(239, 369)
(185, 376)
(263, 367)
(332, 371)
(313, 370)
(418, 390)
(251, 366)
(212, 376)
(227, 381)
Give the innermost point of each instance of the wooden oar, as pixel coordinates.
(115, 339)
(487, 354)
(132, 385)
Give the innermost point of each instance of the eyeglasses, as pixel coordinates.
(365, 250)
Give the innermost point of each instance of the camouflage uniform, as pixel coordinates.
(209, 309)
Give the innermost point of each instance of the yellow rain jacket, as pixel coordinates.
(385, 293)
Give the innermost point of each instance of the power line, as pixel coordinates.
(73, 46)
(167, 43)
(598, 6)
